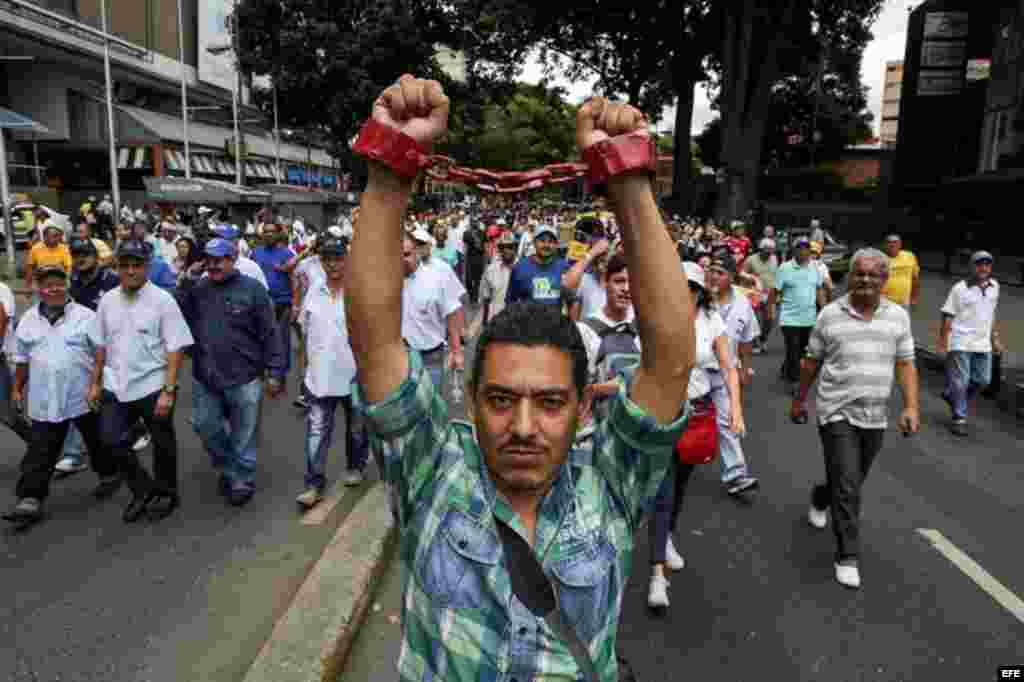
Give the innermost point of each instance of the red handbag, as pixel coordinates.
(699, 443)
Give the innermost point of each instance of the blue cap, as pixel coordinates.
(333, 246)
(133, 248)
(545, 229)
(220, 248)
(981, 256)
(227, 232)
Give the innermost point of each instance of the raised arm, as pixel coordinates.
(658, 288)
(373, 306)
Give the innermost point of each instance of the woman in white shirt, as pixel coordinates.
(712, 354)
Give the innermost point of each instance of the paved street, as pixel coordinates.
(89, 598)
(758, 600)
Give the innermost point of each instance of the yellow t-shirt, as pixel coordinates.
(902, 271)
(41, 255)
(103, 251)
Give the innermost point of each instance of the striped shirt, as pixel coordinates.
(858, 359)
(460, 619)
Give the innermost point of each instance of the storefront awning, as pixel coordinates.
(21, 125)
(201, 191)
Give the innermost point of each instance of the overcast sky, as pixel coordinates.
(890, 32)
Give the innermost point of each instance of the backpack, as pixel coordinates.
(618, 350)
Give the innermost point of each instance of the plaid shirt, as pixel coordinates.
(460, 620)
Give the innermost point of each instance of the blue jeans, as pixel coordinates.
(729, 449)
(232, 453)
(966, 374)
(320, 420)
(74, 445)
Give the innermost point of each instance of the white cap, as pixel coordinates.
(815, 222)
(335, 231)
(694, 273)
(421, 235)
(51, 225)
(205, 209)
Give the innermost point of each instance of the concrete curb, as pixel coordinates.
(313, 638)
(1011, 392)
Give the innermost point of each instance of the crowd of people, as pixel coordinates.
(586, 372)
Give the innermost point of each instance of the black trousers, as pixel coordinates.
(116, 421)
(849, 453)
(45, 446)
(796, 339)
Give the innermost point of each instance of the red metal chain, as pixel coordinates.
(444, 169)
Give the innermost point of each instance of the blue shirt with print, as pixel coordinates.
(279, 283)
(531, 281)
(798, 286)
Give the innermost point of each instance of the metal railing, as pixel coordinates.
(22, 175)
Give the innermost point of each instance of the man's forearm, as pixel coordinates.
(456, 323)
(906, 375)
(20, 376)
(97, 370)
(808, 373)
(915, 290)
(572, 278)
(746, 353)
(945, 330)
(173, 365)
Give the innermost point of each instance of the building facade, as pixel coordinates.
(891, 90)
(52, 71)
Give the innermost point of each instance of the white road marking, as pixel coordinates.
(318, 514)
(1007, 599)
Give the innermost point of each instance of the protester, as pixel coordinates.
(527, 397)
(858, 344)
(904, 284)
(538, 278)
(800, 289)
(50, 251)
(273, 258)
(764, 265)
(494, 286)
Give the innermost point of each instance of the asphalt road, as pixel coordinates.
(758, 600)
(193, 597)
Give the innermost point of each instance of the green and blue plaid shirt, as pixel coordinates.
(460, 620)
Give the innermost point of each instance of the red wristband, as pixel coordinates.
(391, 147)
(619, 154)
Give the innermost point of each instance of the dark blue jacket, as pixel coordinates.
(90, 293)
(236, 337)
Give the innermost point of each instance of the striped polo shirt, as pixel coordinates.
(858, 359)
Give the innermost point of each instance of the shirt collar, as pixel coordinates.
(844, 303)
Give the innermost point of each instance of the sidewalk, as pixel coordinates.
(926, 320)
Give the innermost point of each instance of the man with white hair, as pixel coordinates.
(860, 341)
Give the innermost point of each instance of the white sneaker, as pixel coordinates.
(69, 465)
(309, 498)
(817, 517)
(142, 442)
(848, 575)
(673, 558)
(657, 595)
(352, 477)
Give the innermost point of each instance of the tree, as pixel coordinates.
(533, 128)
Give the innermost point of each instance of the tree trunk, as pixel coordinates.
(682, 171)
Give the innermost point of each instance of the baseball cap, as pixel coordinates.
(50, 269)
(802, 243)
(334, 246)
(205, 209)
(723, 261)
(133, 248)
(545, 229)
(694, 273)
(82, 246)
(227, 232)
(980, 256)
(219, 248)
(50, 225)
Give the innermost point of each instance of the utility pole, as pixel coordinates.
(115, 185)
(184, 94)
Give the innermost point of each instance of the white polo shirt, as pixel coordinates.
(138, 333)
(332, 366)
(741, 324)
(312, 270)
(429, 296)
(11, 308)
(60, 359)
(973, 311)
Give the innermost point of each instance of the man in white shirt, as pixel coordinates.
(433, 318)
(494, 284)
(330, 369)
(165, 247)
(968, 337)
(140, 335)
(54, 356)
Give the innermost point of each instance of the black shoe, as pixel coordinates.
(107, 487)
(740, 485)
(239, 498)
(161, 505)
(29, 510)
(223, 485)
(135, 508)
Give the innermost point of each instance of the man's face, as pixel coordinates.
(526, 411)
(617, 287)
(507, 253)
(892, 247)
(85, 262)
(139, 231)
(219, 267)
(440, 232)
(82, 231)
(132, 272)
(769, 231)
(334, 268)
(803, 253)
(866, 279)
(545, 245)
(410, 257)
(170, 232)
(123, 231)
(983, 270)
(53, 290)
(51, 237)
(718, 279)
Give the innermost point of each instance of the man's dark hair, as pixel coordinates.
(616, 264)
(534, 325)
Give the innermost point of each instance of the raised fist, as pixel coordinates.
(599, 119)
(416, 107)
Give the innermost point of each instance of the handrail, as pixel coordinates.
(78, 25)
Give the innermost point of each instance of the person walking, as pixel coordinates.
(764, 265)
(859, 343)
(538, 278)
(800, 290)
(140, 336)
(274, 258)
(968, 337)
(904, 284)
(236, 344)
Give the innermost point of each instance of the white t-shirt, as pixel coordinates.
(741, 324)
(973, 311)
(494, 285)
(331, 366)
(11, 308)
(709, 326)
(312, 270)
(592, 296)
(429, 296)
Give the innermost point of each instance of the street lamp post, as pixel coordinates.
(184, 95)
(5, 197)
(115, 185)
